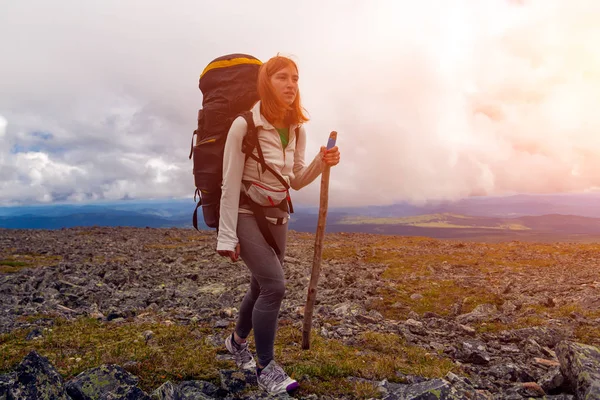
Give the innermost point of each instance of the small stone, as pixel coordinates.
(549, 352)
(148, 335)
(221, 323)
(437, 346)
(510, 349)
(376, 314)
(549, 302)
(96, 315)
(430, 389)
(347, 310)
(344, 331)
(311, 397)
(35, 334)
(226, 313)
(552, 380)
(382, 388)
(114, 315)
(453, 378)
(413, 315)
(532, 389)
(510, 372)
(416, 296)
(166, 391)
(482, 313)
(168, 323)
(508, 307)
(414, 325)
(546, 363)
(508, 286)
(365, 319)
(474, 352)
(456, 309)
(467, 329)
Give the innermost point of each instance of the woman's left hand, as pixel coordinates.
(331, 157)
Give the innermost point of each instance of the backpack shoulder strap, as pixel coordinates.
(250, 121)
(297, 133)
(251, 141)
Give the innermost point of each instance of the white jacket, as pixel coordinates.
(289, 163)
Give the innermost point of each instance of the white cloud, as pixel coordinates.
(431, 100)
(3, 123)
(161, 170)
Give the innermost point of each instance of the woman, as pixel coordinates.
(276, 116)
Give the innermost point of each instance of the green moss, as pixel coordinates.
(12, 263)
(339, 252)
(375, 356)
(9, 266)
(178, 353)
(588, 335)
(174, 352)
(438, 296)
(15, 262)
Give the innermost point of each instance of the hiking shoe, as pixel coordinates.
(242, 356)
(274, 380)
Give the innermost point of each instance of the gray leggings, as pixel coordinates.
(260, 306)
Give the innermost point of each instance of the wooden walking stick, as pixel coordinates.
(316, 268)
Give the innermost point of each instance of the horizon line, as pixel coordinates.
(191, 200)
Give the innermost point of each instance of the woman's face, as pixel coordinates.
(285, 83)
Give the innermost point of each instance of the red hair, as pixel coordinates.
(271, 106)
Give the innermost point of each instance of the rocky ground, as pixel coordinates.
(514, 337)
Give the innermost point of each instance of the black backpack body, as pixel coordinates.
(229, 88)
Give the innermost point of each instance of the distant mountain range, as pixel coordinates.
(543, 217)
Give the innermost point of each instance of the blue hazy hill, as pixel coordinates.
(557, 214)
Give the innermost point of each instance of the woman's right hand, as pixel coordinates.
(233, 255)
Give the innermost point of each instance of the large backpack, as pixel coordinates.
(229, 88)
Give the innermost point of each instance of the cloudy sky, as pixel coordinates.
(432, 100)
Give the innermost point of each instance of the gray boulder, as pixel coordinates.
(188, 390)
(105, 382)
(580, 365)
(167, 391)
(474, 352)
(199, 390)
(34, 378)
(543, 335)
(481, 313)
(235, 381)
(435, 389)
